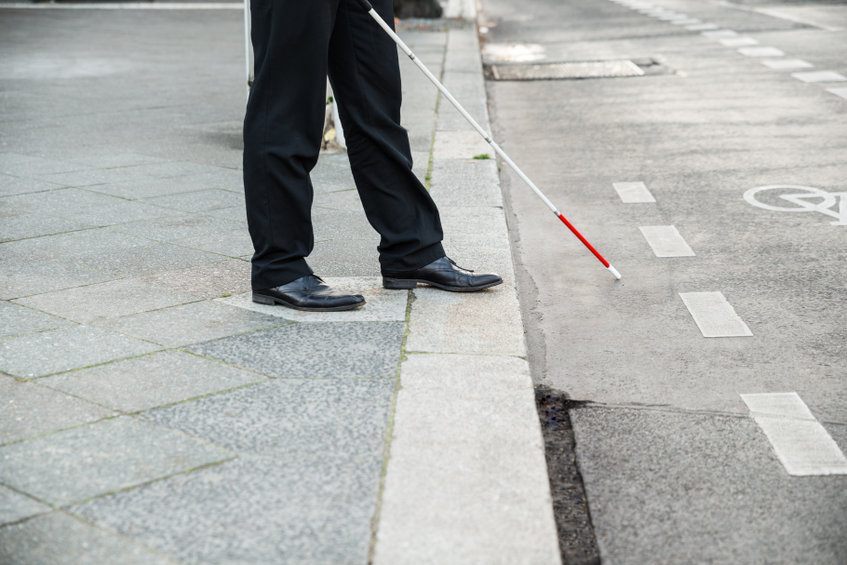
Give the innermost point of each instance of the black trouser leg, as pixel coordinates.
(365, 77)
(295, 44)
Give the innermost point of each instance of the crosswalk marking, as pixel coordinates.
(666, 241)
(633, 192)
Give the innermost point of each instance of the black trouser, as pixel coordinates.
(297, 43)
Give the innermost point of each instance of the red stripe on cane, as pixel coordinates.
(583, 240)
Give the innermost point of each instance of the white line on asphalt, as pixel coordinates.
(702, 27)
(666, 241)
(787, 64)
(761, 52)
(801, 443)
(714, 315)
(633, 192)
(128, 6)
(739, 42)
(820, 76)
(688, 22)
(842, 92)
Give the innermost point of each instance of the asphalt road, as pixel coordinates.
(675, 466)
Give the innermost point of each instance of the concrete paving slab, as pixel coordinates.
(468, 182)
(30, 410)
(176, 226)
(60, 538)
(146, 259)
(34, 225)
(381, 305)
(22, 165)
(149, 381)
(477, 323)
(233, 243)
(467, 476)
(289, 418)
(14, 507)
(460, 145)
(12, 185)
(16, 320)
(213, 280)
(190, 323)
(346, 258)
(69, 245)
(199, 201)
(86, 304)
(305, 510)
(24, 277)
(720, 471)
(54, 351)
(74, 465)
(314, 351)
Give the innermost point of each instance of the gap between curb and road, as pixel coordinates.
(466, 479)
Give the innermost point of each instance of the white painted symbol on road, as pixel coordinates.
(802, 199)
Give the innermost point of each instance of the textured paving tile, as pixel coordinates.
(206, 281)
(177, 226)
(29, 410)
(482, 322)
(478, 181)
(35, 355)
(28, 165)
(232, 243)
(199, 201)
(106, 300)
(92, 460)
(92, 208)
(152, 258)
(34, 225)
(59, 538)
(23, 277)
(70, 245)
(289, 418)
(191, 323)
(315, 351)
(252, 510)
(15, 506)
(149, 381)
(15, 319)
(345, 258)
(382, 305)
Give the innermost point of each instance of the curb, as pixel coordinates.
(466, 480)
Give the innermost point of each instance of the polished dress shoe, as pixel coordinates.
(444, 274)
(308, 293)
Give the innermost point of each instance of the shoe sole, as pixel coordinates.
(272, 301)
(406, 284)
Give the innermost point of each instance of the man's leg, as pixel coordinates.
(282, 133)
(365, 76)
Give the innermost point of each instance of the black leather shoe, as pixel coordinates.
(444, 274)
(308, 293)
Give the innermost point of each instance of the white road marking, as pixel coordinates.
(787, 64)
(739, 42)
(633, 192)
(666, 241)
(820, 76)
(714, 315)
(801, 443)
(842, 92)
(761, 52)
(702, 27)
(688, 22)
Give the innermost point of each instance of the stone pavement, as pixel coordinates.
(151, 413)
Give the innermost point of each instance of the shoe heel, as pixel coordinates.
(260, 299)
(398, 283)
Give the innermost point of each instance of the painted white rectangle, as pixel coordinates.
(739, 42)
(714, 315)
(761, 52)
(633, 192)
(688, 22)
(820, 76)
(666, 241)
(801, 443)
(842, 92)
(787, 64)
(702, 27)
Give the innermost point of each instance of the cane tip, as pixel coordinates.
(614, 271)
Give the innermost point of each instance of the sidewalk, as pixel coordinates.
(151, 413)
